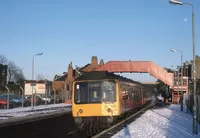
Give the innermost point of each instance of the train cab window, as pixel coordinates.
(94, 90)
(80, 93)
(108, 91)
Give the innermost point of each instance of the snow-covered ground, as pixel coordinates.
(27, 111)
(168, 122)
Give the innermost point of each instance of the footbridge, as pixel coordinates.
(139, 67)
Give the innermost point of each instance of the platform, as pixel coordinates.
(165, 122)
(27, 114)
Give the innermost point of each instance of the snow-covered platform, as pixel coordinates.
(27, 114)
(166, 122)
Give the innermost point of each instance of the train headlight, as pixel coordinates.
(80, 111)
(78, 120)
(109, 110)
(110, 120)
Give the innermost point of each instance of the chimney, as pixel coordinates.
(101, 62)
(94, 61)
(70, 72)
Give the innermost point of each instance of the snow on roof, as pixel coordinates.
(160, 123)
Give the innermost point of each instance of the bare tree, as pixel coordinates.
(19, 76)
(15, 74)
(40, 77)
(12, 69)
(3, 60)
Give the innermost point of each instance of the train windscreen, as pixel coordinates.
(94, 92)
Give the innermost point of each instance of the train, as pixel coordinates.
(100, 97)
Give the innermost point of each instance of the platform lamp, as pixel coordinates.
(39, 54)
(175, 50)
(195, 124)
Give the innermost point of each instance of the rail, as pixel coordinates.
(123, 121)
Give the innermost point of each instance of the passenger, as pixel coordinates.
(181, 99)
(181, 102)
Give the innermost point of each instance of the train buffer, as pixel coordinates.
(167, 121)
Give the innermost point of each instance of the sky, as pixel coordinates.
(66, 30)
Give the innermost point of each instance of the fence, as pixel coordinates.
(191, 104)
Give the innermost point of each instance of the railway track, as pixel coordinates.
(63, 127)
(108, 132)
(119, 125)
(56, 127)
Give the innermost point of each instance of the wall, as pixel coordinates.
(40, 88)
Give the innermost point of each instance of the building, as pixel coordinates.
(187, 68)
(40, 87)
(188, 72)
(187, 79)
(64, 82)
(3, 75)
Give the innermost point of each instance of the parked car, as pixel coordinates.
(50, 99)
(46, 98)
(18, 100)
(3, 102)
(38, 100)
(59, 99)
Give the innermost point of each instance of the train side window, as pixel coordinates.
(133, 92)
(139, 91)
(130, 92)
(136, 93)
(133, 95)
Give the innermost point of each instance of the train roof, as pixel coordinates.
(100, 75)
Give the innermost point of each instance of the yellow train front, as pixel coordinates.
(98, 99)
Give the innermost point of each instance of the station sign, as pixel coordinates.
(33, 84)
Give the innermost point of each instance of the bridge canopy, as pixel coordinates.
(139, 67)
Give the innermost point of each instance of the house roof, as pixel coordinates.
(61, 78)
(82, 68)
(64, 76)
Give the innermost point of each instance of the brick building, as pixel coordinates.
(3, 75)
(187, 79)
(187, 68)
(64, 82)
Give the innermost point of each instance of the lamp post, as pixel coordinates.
(175, 50)
(195, 125)
(39, 54)
(35, 96)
